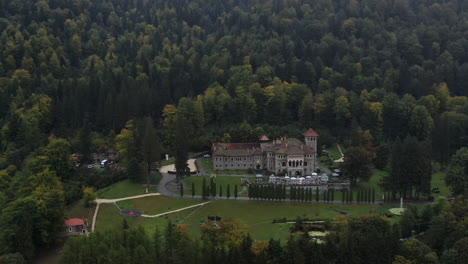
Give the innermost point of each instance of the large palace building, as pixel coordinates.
(286, 156)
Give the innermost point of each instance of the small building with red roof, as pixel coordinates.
(284, 156)
(76, 226)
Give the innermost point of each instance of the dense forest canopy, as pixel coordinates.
(110, 61)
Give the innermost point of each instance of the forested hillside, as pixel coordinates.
(110, 61)
(387, 79)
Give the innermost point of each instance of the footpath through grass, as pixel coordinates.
(258, 216)
(157, 204)
(122, 189)
(127, 188)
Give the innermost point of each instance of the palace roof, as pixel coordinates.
(311, 133)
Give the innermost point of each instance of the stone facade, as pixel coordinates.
(285, 156)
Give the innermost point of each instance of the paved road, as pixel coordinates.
(201, 169)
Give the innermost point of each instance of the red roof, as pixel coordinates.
(74, 222)
(310, 133)
(264, 138)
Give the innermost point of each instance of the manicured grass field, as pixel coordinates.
(219, 180)
(257, 215)
(122, 189)
(159, 204)
(208, 165)
(109, 218)
(334, 152)
(438, 181)
(166, 162)
(373, 183)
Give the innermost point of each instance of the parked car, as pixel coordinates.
(207, 156)
(90, 166)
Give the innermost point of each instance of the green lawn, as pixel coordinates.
(257, 215)
(334, 152)
(438, 181)
(122, 189)
(373, 183)
(157, 204)
(166, 162)
(219, 180)
(208, 165)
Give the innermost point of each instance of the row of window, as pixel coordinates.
(251, 158)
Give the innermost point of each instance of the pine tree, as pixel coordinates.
(193, 189)
(228, 191)
(317, 195)
(181, 146)
(373, 195)
(204, 194)
(235, 191)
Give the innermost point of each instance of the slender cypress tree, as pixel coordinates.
(351, 196)
(358, 198)
(220, 191)
(317, 195)
(204, 188)
(342, 196)
(193, 189)
(235, 191)
(333, 195)
(228, 191)
(373, 195)
(181, 190)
